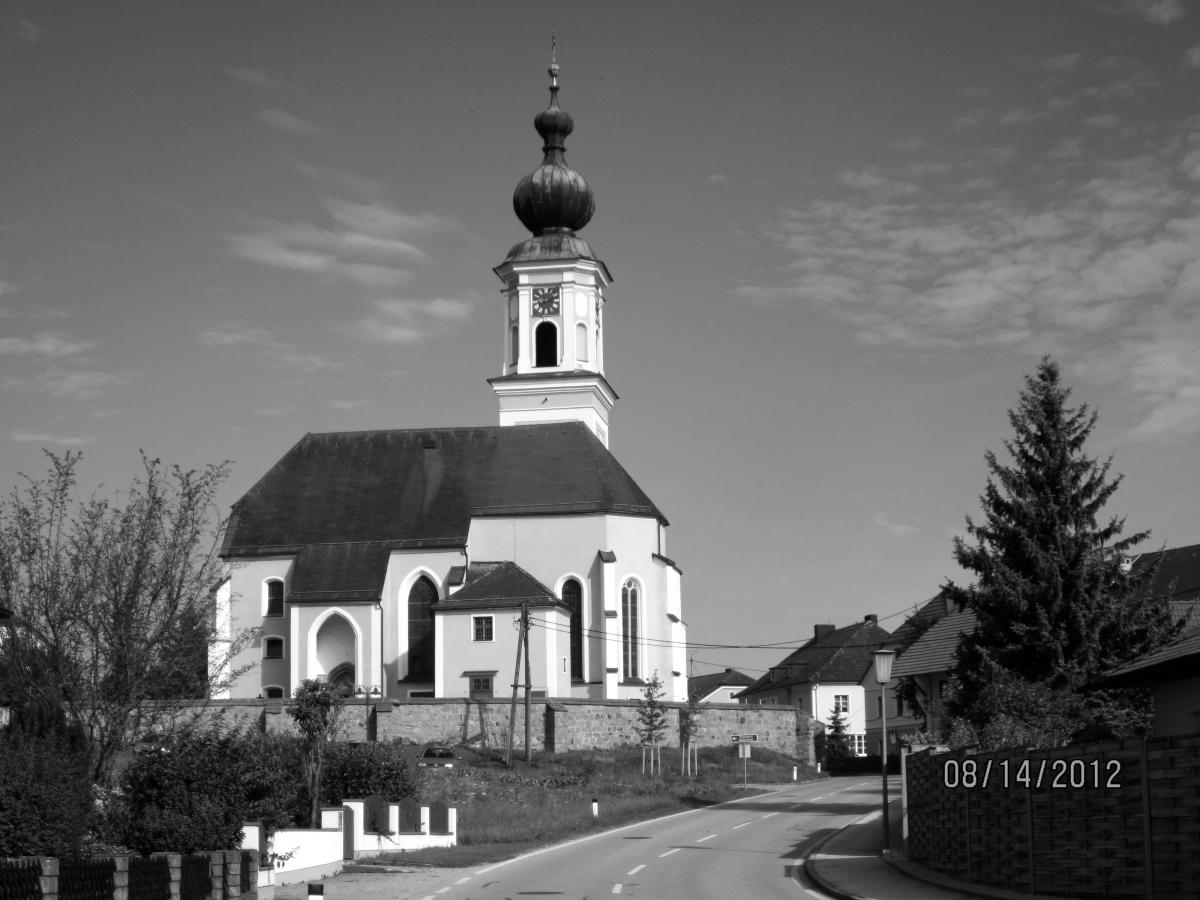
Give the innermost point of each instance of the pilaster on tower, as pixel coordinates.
(554, 296)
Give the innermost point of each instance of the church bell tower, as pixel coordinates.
(554, 295)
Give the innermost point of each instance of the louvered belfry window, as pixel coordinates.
(274, 598)
(629, 628)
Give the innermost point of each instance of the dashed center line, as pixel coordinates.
(743, 825)
(669, 852)
(617, 887)
(768, 815)
(635, 870)
(463, 880)
(707, 837)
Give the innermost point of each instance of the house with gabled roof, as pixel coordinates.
(392, 562)
(718, 687)
(827, 673)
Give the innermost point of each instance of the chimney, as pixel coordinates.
(871, 617)
(819, 631)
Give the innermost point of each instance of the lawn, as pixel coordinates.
(503, 812)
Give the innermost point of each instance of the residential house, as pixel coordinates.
(1172, 674)
(829, 672)
(718, 687)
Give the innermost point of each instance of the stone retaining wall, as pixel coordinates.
(557, 725)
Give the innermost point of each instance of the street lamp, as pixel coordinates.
(883, 674)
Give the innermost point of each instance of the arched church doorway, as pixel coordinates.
(337, 649)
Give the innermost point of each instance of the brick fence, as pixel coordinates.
(557, 725)
(1114, 820)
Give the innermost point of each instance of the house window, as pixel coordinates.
(629, 629)
(481, 687)
(858, 743)
(275, 598)
(273, 693)
(841, 703)
(879, 706)
(572, 594)
(899, 707)
(273, 648)
(481, 628)
(545, 341)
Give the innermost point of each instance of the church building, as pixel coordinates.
(397, 563)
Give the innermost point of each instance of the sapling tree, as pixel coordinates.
(315, 708)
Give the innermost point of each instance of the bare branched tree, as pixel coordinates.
(112, 602)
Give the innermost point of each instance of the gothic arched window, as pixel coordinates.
(275, 598)
(581, 342)
(420, 630)
(545, 340)
(572, 594)
(629, 628)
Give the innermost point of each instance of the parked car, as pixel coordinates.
(439, 757)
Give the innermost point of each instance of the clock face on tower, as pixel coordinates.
(545, 301)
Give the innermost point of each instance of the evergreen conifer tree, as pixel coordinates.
(1055, 605)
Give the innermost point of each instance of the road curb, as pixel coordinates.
(810, 866)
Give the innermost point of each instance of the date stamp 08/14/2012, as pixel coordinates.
(970, 774)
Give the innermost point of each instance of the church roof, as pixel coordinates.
(499, 584)
(417, 488)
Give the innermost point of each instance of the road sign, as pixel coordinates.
(745, 738)
(744, 751)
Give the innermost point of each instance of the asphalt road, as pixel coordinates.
(744, 849)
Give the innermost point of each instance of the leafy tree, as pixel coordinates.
(111, 600)
(45, 793)
(651, 714)
(689, 718)
(834, 742)
(1055, 608)
(315, 708)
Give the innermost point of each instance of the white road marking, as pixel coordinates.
(768, 815)
(463, 880)
(441, 890)
(617, 888)
(707, 837)
(635, 870)
(669, 852)
(743, 825)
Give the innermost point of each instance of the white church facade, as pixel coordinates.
(397, 562)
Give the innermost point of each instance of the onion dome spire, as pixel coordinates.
(553, 198)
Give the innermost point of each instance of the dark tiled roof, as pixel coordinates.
(934, 650)
(843, 656)
(420, 488)
(919, 622)
(1179, 659)
(339, 572)
(703, 685)
(499, 584)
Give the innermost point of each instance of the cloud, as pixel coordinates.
(717, 178)
(1192, 57)
(29, 32)
(369, 245)
(1101, 265)
(893, 528)
(47, 344)
(397, 321)
(286, 121)
(33, 437)
(1156, 12)
(255, 78)
(80, 385)
(346, 405)
(266, 345)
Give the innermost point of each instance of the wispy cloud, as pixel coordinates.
(1103, 265)
(347, 405)
(38, 437)
(1156, 12)
(369, 245)
(29, 32)
(893, 528)
(408, 321)
(254, 78)
(286, 121)
(1192, 57)
(46, 345)
(78, 384)
(266, 345)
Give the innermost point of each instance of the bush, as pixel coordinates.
(194, 792)
(46, 795)
(358, 771)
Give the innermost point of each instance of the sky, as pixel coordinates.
(840, 235)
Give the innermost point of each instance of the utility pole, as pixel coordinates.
(512, 712)
(528, 679)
